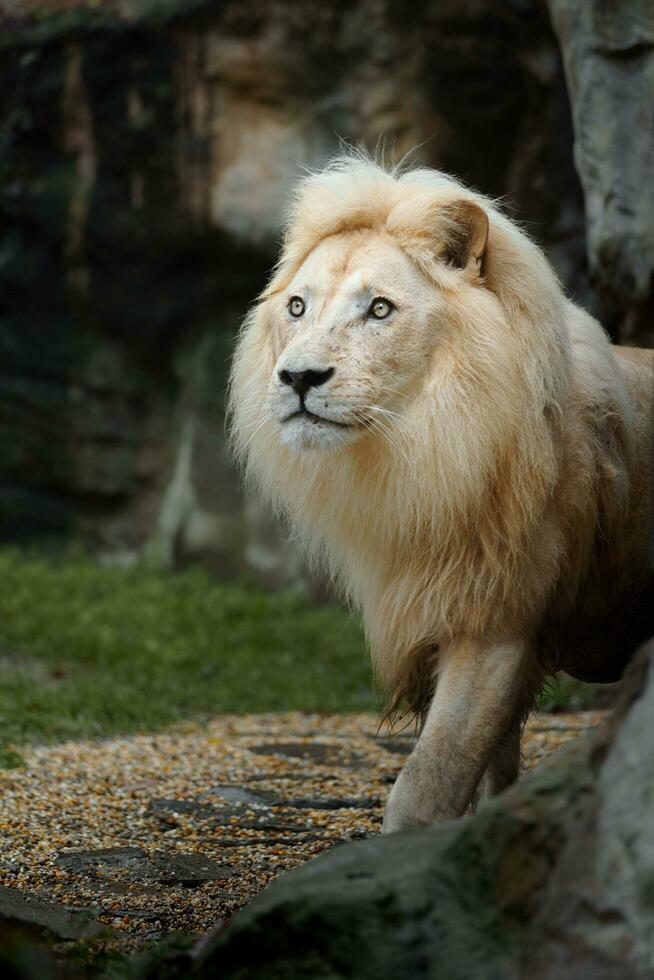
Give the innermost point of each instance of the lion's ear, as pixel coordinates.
(465, 235)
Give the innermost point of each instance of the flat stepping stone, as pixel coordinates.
(141, 867)
(239, 794)
(242, 815)
(168, 808)
(333, 803)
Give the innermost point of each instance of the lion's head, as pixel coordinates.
(400, 302)
(354, 331)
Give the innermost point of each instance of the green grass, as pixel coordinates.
(90, 651)
(563, 693)
(86, 650)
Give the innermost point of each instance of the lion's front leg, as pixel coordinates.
(474, 704)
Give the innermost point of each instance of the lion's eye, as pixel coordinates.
(380, 308)
(296, 306)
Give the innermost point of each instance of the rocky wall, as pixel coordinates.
(146, 151)
(608, 50)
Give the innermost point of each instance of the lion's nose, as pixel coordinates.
(301, 381)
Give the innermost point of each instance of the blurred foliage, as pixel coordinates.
(563, 693)
(87, 650)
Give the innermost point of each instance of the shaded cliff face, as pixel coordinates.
(608, 51)
(146, 151)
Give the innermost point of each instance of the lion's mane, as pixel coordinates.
(486, 502)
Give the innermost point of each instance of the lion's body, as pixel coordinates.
(502, 491)
(613, 609)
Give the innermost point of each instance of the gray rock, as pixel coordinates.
(608, 51)
(333, 803)
(28, 912)
(139, 866)
(168, 810)
(249, 810)
(239, 794)
(625, 831)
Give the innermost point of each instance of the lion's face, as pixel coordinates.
(353, 335)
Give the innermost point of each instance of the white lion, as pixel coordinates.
(466, 450)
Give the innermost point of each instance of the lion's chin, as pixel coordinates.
(301, 433)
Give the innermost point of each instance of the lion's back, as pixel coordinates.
(614, 609)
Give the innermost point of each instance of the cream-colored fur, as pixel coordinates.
(475, 469)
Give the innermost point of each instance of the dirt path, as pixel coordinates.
(152, 833)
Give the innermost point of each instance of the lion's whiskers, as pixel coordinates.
(378, 426)
(258, 425)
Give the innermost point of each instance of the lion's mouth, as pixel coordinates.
(304, 413)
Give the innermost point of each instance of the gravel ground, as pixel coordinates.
(152, 833)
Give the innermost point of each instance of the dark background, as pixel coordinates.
(146, 151)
